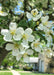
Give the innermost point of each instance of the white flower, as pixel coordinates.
(27, 37)
(34, 15)
(18, 57)
(7, 35)
(36, 45)
(16, 48)
(29, 51)
(13, 32)
(24, 53)
(2, 13)
(48, 52)
(48, 37)
(45, 21)
(45, 25)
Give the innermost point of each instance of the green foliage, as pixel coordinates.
(1, 40)
(26, 68)
(31, 24)
(23, 24)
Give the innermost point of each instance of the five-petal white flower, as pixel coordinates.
(45, 23)
(48, 52)
(27, 37)
(16, 48)
(34, 15)
(36, 45)
(13, 32)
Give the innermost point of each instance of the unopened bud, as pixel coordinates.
(37, 23)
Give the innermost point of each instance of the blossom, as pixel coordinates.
(24, 53)
(48, 52)
(27, 37)
(2, 13)
(15, 47)
(48, 38)
(36, 45)
(13, 32)
(45, 23)
(34, 15)
(27, 54)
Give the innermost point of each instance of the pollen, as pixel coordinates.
(1, 11)
(34, 13)
(25, 36)
(12, 32)
(46, 23)
(48, 51)
(25, 54)
(16, 46)
(36, 44)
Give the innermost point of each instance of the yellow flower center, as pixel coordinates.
(36, 44)
(25, 54)
(46, 23)
(48, 51)
(34, 13)
(25, 36)
(12, 32)
(1, 11)
(16, 46)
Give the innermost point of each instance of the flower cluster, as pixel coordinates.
(19, 41)
(22, 42)
(45, 26)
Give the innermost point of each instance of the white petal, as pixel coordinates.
(29, 51)
(31, 38)
(15, 52)
(25, 44)
(4, 14)
(12, 25)
(37, 17)
(38, 49)
(17, 36)
(0, 8)
(41, 27)
(49, 24)
(4, 31)
(44, 19)
(9, 46)
(28, 31)
(22, 49)
(29, 16)
(1, 14)
(8, 37)
(20, 30)
(18, 57)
